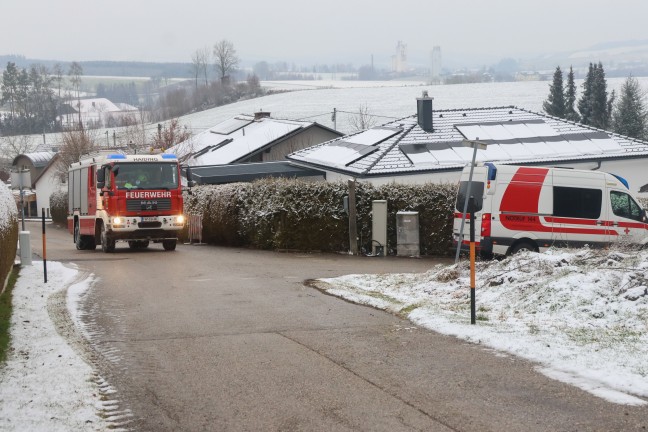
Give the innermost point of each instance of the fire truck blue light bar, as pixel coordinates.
(116, 156)
(169, 156)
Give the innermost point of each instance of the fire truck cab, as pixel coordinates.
(117, 197)
(533, 208)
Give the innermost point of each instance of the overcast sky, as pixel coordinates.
(308, 32)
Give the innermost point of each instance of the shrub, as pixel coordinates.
(59, 207)
(302, 215)
(8, 233)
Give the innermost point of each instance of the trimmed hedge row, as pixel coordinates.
(309, 216)
(301, 215)
(8, 233)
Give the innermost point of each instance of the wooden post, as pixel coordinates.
(353, 229)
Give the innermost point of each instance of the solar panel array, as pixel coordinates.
(230, 125)
(511, 141)
(351, 148)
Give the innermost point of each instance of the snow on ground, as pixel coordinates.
(45, 384)
(581, 315)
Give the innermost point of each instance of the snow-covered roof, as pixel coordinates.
(94, 105)
(38, 159)
(236, 139)
(514, 135)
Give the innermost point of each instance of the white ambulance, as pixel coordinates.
(533, 208)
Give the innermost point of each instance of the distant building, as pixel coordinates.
(435, 67)
(399, 60)
(96, 112)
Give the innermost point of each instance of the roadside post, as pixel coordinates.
(44, 248)
(475, 144)
(19, 180)
(353, 229)
(471, 210)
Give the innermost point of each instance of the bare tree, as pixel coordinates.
(169, 135)
(75, 144)
(195, 66)
(57, 75)
(12, 146)
(225, 58)
(75, 73)
(199, 62)
(134, 136)
(363, 119)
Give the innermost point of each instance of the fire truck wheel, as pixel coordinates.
(83, 242)
(522, 246)
(107, 244)
(91, 244)
(169, 245)
(77, 237)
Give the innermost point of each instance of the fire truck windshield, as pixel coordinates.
(147, 176)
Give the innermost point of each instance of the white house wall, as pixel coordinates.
(47, 184)
(440, 177)
(635, 171)
(303, 139)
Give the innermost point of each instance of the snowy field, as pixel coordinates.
(386, 100)
(581, 315)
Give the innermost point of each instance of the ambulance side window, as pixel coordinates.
(476, 191)
(577, 202)
(624, 206)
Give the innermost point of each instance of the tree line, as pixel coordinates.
(626, 115)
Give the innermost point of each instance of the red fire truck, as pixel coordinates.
(117, 197)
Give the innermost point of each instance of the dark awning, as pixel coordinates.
(232, 173)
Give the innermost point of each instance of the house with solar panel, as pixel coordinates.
(245, 147)
(428, 147)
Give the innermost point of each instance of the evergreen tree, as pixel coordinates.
(555, 103)
(630, 116)
(595, 106)
(570, 98)
(10, 86)
(584, 103)
(600, 116)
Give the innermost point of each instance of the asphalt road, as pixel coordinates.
(217, 339)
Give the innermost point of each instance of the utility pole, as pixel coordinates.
(353, 229)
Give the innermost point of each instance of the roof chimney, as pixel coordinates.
(261, 114)
(424, 112)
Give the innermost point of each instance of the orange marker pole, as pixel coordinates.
(472, 260)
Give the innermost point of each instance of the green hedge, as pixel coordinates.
(59, 207)
(301, 215)
(8, 233)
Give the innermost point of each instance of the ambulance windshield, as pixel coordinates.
(147, 176)
(476, 191)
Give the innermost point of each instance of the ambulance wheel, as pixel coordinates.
(107, 244)
(523, 246)
(169, 245)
